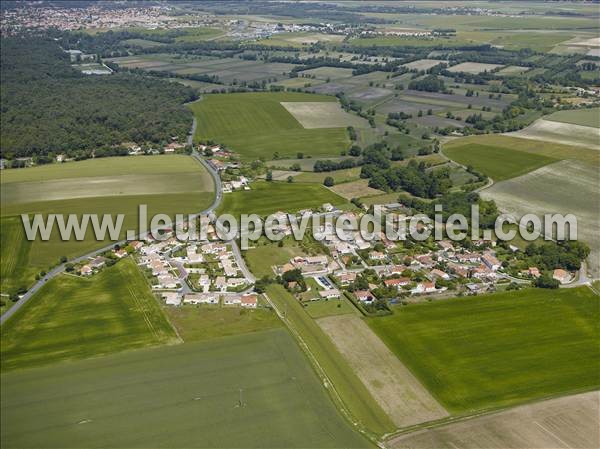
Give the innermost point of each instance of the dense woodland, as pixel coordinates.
(49, 107)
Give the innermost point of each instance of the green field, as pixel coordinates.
(73, 318)
(179, 396)
(549, 149)
(499, 350)
(268, 197)
(101, 186)
(354, 396)
(14, 255)
(339, 176)
(497, 162)
(205, 322)
(109, 166)
(583, 117)
(256, 125)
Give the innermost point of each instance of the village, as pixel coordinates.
(370, 273)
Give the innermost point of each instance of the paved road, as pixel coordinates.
(60, 268)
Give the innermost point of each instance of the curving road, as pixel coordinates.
(60, 268)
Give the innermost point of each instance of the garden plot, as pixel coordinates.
(473, 67)
(565, 187)
(423, 64)
(322, 115)
(564, 133)
(355, 189)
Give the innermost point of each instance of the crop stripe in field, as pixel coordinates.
(142, 308)
(9, 265)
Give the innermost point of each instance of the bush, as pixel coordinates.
(329, 182)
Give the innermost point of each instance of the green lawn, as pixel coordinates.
(203, 322)
(268, 197)
(179, 396)
(261, 258)
(324, 307)
(499, 350)
(497, 162)
(583, 117)
(256, 125)
(73, 318)
(352, 392)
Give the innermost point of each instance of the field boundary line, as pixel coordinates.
(329, 386)
(452, 419)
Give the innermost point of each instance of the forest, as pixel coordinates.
(48, 107)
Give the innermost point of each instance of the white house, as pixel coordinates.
(330, 293)
(201, 298)
(424, 287)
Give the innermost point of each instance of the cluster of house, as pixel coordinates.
(134, 149)
(562, 276)
(200, 271)
(478, 270)
(245, 300)
(241, 183)
(94, 264)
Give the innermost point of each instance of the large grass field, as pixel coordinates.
(352, 393)
(14, 255)
(73, 318)
(557, 151)
(497, 162)
(166, 184)
(565, 187)
(583, 117)
(499, 350)
(268, 197)
(256, 125)
(254, 390)
(503, 157)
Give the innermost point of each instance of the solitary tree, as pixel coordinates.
(329, 182)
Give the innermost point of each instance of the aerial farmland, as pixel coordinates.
(190, 249)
